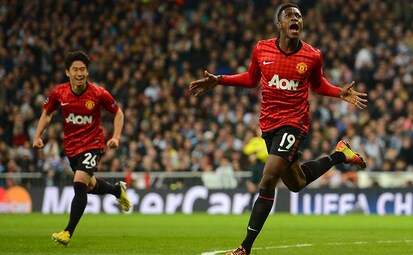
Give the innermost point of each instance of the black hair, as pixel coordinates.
(281, 8)
(74, 56)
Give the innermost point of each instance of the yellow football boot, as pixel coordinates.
(123, 198)
(351, 156)
(63, 237)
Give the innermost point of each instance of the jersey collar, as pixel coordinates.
(277, 43)
(83, 92)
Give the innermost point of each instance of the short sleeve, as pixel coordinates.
(51, 103)
(109, 102)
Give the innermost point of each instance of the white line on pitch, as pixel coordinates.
(261, 248)
(308, 245)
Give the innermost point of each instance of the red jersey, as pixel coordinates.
(81, 116)
(285, 79)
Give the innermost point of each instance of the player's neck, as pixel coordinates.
(78, 89)
(288, 45)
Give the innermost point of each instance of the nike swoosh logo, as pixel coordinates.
(63, 104)
(281, 150)
(267, 63)
(249, 228)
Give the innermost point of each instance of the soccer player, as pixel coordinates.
(81, 103)
(287, 67)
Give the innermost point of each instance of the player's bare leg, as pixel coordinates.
(294, 178)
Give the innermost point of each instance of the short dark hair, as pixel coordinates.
(74, 56)
(281, 8)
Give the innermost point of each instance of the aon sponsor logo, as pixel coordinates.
(78, 119)
(283, 83)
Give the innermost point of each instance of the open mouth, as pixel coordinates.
(295, 27)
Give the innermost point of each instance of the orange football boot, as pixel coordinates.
(351, 156)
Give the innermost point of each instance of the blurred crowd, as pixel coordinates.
(146, 52)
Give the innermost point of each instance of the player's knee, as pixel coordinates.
(296, 187)
(269, 181)
(80, 188)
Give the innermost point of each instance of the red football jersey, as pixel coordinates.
(285, 78)
(82, 115)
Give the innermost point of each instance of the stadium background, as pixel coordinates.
(146, 53)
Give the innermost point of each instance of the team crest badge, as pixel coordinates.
(301, 67)
(90, 104)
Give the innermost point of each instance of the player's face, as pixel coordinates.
(78, 74)
(291, 23)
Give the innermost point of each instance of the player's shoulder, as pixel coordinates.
(62, 87)
(94, 87)
(97, 91)
(309, 48)
(266, 42)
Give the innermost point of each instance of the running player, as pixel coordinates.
(81, 103)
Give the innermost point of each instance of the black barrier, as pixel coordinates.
(54, 200)
(194, 199)
(343, 201)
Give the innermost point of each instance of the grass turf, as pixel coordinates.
(208, 234)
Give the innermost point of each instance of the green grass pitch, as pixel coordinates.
(202, 234)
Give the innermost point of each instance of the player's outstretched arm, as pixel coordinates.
(353, 97)
(199, 87)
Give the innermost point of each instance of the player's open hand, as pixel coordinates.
(38, 143)
(113, 143)
(353, 97)
(199, 87)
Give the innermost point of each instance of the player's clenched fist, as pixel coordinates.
(38, 143)
(113, 143)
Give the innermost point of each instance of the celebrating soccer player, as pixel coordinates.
(287, 67)
(81, 103)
